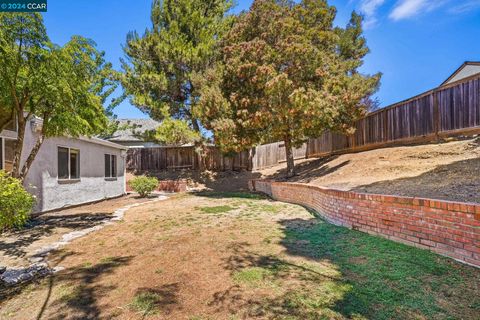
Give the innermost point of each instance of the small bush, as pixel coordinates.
(16, 203)
(144, 185)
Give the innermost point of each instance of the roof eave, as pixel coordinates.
(466, 63)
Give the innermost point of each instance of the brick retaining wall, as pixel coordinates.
(449, 228)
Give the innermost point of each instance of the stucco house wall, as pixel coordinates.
(53, 193)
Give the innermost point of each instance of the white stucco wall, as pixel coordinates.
(92, 186)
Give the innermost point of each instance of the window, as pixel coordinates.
(68, 164)
(6, 154)
(110, 166)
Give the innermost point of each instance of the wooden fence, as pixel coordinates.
(445, 111)
(448, 110)
(177, 158)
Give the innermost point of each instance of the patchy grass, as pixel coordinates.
(217, 209)
(145, 303)
(112, 261)
(386, 279)
(268, 260)
(70, 294)
(254, 276)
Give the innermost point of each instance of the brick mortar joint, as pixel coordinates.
(414, 203)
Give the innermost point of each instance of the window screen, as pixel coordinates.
(63, 163)
(107, 166)
(110, 166)
(74, 164)
(114, 166)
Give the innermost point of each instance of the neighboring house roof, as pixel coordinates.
(36, 125)
(467, 69)
(131, 134)
(102, 142)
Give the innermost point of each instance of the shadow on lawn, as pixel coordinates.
(346, 274)
(80, 290)
(385, 279)
(42, 226)
(162, 299)
(252, 268)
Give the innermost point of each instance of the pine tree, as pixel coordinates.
(160, 64)
(286, 74)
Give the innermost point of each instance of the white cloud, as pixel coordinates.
(405, 9)
(465, 7)
(369, 9)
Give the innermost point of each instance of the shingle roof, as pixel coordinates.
(131, 134)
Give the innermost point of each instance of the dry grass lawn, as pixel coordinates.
(241, 256)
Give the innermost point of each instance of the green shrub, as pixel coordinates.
(144, 185)
(16, 203)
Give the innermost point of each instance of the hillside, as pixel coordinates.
(449, 171)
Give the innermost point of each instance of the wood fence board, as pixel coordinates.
(449, 110)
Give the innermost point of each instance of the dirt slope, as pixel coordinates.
(449, 171)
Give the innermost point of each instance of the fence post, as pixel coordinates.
(436, 115)
(385, 126)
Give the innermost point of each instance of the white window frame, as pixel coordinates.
(69, 179)
(111, 177)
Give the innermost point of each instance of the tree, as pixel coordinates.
(175, 132)
(20, 37)
(160, 64)
(172, 132)
(62, 86)
(285, 74)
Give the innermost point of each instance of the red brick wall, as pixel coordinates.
(449, 228)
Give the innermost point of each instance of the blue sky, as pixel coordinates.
(416, 44)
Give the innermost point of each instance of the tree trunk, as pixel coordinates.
(195, 125)
(289, 154)
(17, 155)
(31, 157)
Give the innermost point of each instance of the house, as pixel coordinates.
(67, 171)
(131, 131)
(467, 69)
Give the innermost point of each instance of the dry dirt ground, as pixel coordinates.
(241, 256)
(448, 170)
(17, 246)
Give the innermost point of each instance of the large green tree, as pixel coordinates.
(159, 65)
(64, 87)
(286, 74)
